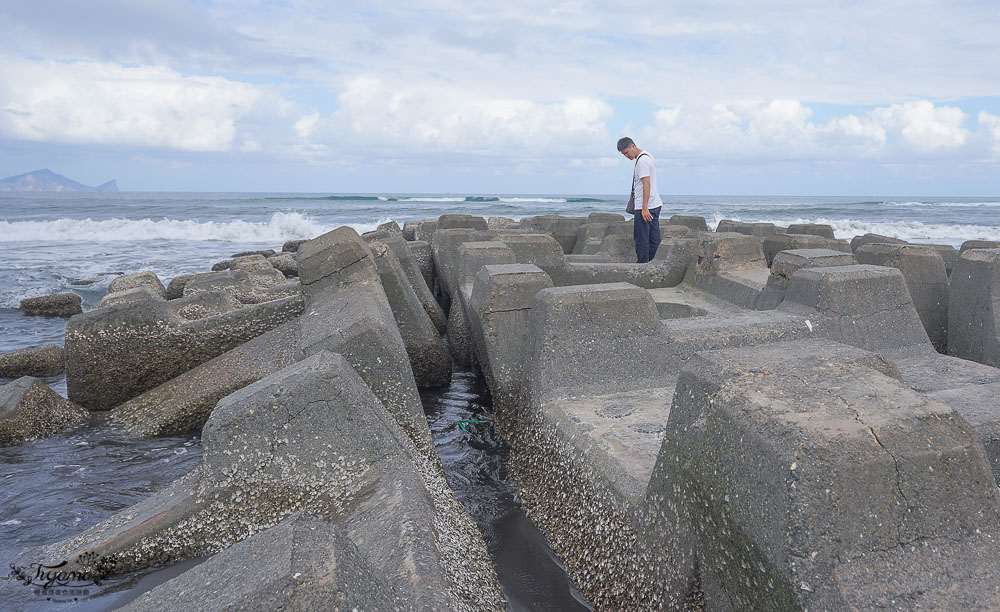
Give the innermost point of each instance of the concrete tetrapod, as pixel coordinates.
(974, 309)
(309, 438)
(114, 354)
(804, 476)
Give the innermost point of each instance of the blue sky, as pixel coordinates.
(780, 97)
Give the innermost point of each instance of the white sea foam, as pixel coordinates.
(429, 199)
(947, 204)
(280, 227)
(911, 231)
(539, 200)
(11, 522)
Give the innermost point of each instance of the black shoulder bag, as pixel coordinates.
(630, 207)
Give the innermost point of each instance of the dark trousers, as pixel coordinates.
(646, 235)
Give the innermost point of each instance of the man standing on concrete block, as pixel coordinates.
(646, 226)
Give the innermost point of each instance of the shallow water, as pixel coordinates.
(475, 461)
(54, 488)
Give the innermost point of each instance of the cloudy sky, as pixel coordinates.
(732, 97)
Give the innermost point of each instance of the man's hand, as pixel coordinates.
(645, 200)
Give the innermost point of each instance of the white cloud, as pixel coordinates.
(781, 129)
(925, 127)
(101, 103)
(990, 126)
(377, 114)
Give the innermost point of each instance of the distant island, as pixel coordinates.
(47, 180)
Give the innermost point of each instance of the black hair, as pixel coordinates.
(624, 143)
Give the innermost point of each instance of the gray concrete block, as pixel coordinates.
(539, 249)
(310, 438)
(694, 222)
(864, 306)
(926, 280)
(305, 562)
(814, 229)
(428, 356)
(140, 279)
(860, 241)
(730, 266)
(760, 230)
(590, 235)
(602, 217)
(444, 248)
(592, 338)
(55, 305)
(30, 410)
(404, 252)
(974, 307)
(175, 288)
(114, 354)
(786, 263)
(420, 251)
(336, 259)
(776, 243)
(790, 477)
(499, 310)
(43, 360)
(183, 404)
(979, 244)
(460, 221)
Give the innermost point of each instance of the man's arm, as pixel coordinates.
(645, 199)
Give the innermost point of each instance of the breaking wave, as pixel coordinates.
(911, 231)
(280, 227)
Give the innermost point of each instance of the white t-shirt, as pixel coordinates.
(645, 166)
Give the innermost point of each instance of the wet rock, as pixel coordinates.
(140, 279)
(44, 360)
(55, 305)
(285, 263)
(222, 265)
(262, 253)
(292, 246)
(30, 410)
(81, 282)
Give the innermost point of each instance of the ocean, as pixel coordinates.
(51, 242)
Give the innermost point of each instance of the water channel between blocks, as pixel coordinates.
(55, 487)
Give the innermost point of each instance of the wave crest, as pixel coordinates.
(280, 227)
